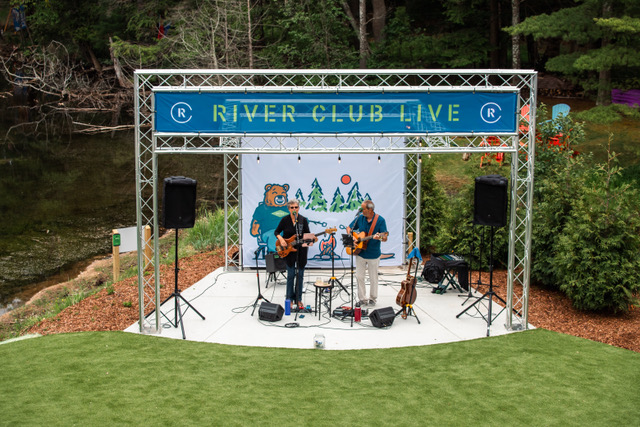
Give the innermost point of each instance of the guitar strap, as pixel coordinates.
(373, 225)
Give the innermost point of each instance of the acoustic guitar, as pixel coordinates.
(292, 242)
(407, 294)
(360, 241)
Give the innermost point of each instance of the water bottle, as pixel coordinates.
(358, 314)
(287, 307)
(318, 341)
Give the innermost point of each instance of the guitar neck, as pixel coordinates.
(409, 269)
(365, 238)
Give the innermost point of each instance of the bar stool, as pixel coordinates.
(321, 289)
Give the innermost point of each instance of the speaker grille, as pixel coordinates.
(274, 263)
(490, 201)
(270, 312)
(178, 202)
(383, 317)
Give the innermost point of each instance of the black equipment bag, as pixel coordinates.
(433, 271)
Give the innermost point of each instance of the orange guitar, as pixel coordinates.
(292, 242)
(360, 242)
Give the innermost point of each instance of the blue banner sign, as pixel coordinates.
(344, 112)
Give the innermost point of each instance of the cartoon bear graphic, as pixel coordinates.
(268, 214)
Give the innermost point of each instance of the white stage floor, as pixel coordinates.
(226, 301)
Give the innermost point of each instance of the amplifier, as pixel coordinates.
(343, 312)
(270, 312)
(382, 317)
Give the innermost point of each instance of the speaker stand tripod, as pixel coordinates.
(479, 283)
(488, 295)
(260, 296)
(177, 296)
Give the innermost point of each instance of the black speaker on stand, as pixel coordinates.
(178, 211)
(489, 208)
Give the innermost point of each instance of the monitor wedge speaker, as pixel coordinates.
(270, 312)
(382, 317)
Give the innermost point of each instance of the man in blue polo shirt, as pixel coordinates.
(372, 229)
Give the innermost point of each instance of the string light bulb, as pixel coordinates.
(419, 158)
(298, 158)
(339, 159)
(258, 159)
(378, 158)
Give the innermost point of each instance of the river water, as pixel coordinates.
(60, 198)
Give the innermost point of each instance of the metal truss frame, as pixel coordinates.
(150, 144)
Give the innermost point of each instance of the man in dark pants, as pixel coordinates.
(294, 224)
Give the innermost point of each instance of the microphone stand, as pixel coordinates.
(296, 265)
(259, 297)
(348, 242)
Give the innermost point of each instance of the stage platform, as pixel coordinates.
(226, 300)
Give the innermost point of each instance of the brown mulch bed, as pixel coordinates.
(547, 309)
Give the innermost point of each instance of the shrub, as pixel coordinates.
(598, 252)
(433, 205)
(558, 177)
(208, 230)
(608, 114)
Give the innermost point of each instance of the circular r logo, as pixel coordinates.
(181, 112)
(490, 112)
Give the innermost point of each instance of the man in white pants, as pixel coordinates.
(371, 229)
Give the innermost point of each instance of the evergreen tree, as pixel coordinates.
(337, 204)
(300, 198)
(595, 39)
(316, 199)
(354, 199)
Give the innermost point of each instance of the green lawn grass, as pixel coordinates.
(113, 378)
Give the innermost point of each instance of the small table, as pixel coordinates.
(321, 289)
(451, 264)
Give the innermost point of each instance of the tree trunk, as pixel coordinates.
(604, 78)
(494, 33)
(379, 19)
(352, 20)
(362, 33)
(249, 33)
(94, 59)
(515, 39)
(122, 80)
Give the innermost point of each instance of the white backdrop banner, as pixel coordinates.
(329, 192)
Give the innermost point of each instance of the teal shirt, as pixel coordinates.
(361, 224)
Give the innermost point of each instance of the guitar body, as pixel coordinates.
(292, 243)
(283, 252)
(407, 294)
(360, 243)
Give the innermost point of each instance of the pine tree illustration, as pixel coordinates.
(337, 205)
(367, 197)
(300, 198)
(354, 199)
(316, 199)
